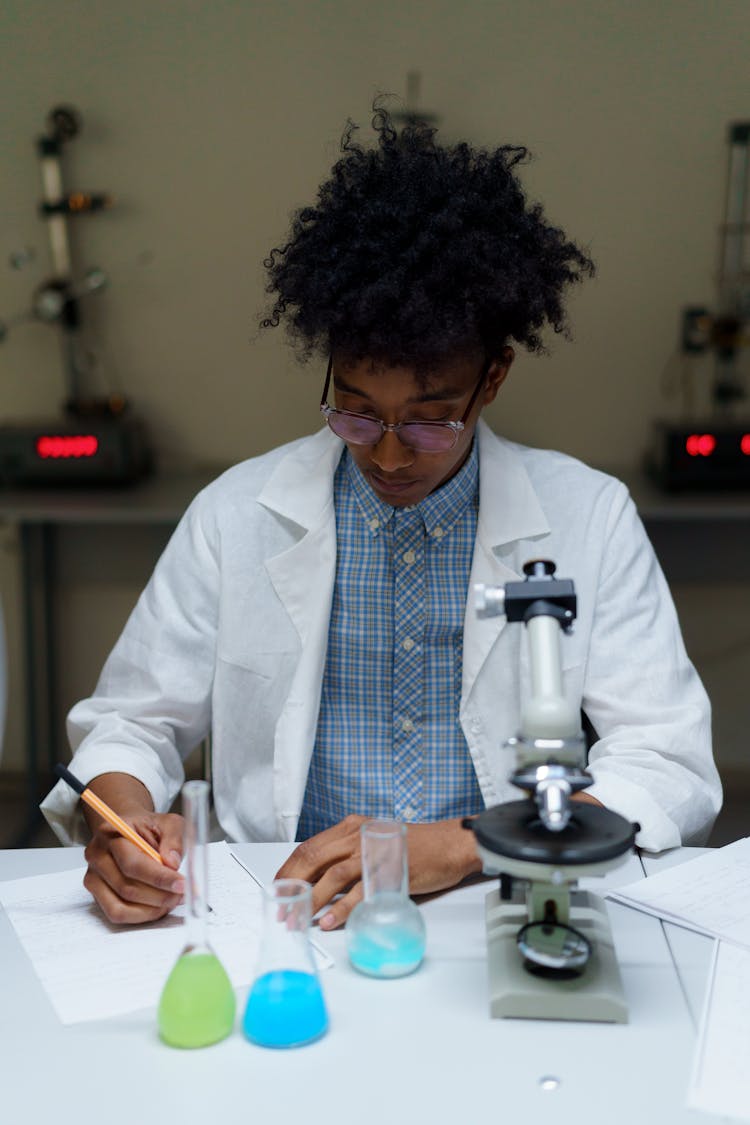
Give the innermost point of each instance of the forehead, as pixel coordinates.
(375, 379)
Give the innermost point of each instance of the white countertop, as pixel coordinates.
(419, 1049)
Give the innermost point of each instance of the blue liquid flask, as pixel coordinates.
(385, 932)
(285, 1005)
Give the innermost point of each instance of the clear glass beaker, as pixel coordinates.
(385, 932)
(197, 1005)
(285, 1005)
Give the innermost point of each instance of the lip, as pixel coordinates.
(391, 487)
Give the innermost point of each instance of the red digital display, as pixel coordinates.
(745, 444)
(66, 445)
(700, 445)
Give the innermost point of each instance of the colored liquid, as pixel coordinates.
(285, 1009)
(386, 951)
(197, 1005)
(386, 935)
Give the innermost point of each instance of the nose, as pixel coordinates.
(390, 454)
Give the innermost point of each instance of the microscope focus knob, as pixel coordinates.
(489, 601)
(539, 568)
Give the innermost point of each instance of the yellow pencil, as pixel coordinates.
(109, 814)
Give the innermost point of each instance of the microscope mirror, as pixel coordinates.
(550, 947)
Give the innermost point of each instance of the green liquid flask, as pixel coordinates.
(197, 1005)
(385, 932)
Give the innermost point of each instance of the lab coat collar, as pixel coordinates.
(509, 508)
(300, 487)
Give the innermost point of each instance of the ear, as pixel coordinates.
(497, 374)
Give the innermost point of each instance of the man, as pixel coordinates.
(311, 609)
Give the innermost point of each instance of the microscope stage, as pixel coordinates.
(593, 835)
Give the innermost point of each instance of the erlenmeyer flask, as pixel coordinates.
(197, 1004)
(285, 1005)
(385, 932)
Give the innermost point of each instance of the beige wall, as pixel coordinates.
(211, 122)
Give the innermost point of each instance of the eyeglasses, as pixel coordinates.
(425, 437)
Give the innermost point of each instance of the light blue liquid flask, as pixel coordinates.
(385, 932)
(285, 1005)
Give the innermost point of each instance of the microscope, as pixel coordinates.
(549, 944)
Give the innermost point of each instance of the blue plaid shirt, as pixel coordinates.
(389, 742)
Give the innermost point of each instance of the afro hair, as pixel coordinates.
(416, 251)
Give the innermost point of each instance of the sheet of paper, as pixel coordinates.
(93, 970)
(323, 960)
(720, 1081)
(710, 894)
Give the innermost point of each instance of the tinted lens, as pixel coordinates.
(429, 439)
(360, 431)
(366, 431)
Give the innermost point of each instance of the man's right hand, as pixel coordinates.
(128, 885)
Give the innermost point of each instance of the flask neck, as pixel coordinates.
(285, 941)
(195, 812)
(384, 859)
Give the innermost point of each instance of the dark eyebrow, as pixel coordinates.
(425, 396)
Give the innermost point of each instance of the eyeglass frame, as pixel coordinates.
(393, 427)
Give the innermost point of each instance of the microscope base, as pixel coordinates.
(595, 995)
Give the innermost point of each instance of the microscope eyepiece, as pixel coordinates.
(539, 568)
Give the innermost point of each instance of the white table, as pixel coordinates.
(416, 1050)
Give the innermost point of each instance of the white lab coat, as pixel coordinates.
(230, 636)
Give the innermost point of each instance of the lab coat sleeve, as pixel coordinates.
(653, 761)
(152, 704)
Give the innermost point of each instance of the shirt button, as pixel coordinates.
(438, 533)
(409, 557)
(374, 524)
(407, 725)
(407, 644)
(409, 812)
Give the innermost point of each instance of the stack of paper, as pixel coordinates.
(719, 1082)
(92, 969)
(710, 894)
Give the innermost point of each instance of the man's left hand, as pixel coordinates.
(440, 856)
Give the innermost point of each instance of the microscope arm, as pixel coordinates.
(550, 748)
(547, 713)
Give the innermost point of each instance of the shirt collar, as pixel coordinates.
(444, 507)
(439, 511)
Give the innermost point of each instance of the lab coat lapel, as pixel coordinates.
(301, 492)
(509, 511)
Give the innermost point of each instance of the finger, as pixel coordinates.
(340, 910)
(132, 875)
(171, 829)
(121, 912)
(337, 880)
(126, 899)
(313, 857)
(165, 833)
(140, 868)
